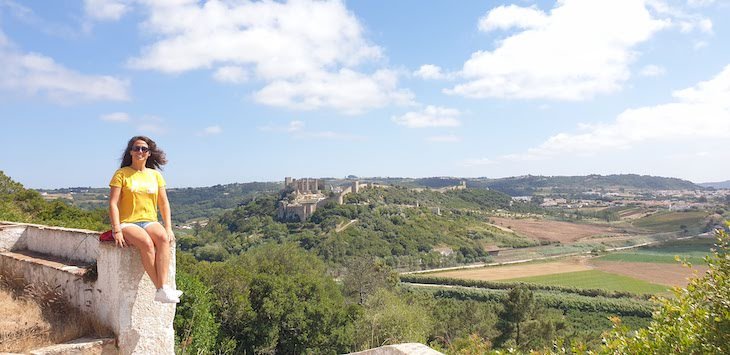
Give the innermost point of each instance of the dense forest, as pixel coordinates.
(277, 298)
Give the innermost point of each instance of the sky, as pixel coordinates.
(239, 91)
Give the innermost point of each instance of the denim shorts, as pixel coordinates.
(142, 224)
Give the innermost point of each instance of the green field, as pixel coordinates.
(647, 258)
(672, 221)
(595, 279)
(694, 250)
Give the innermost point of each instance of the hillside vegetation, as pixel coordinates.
(401, 226)
(187, 204)
(18, 204)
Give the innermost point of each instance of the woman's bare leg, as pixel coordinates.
(139, 238)
(162, 244)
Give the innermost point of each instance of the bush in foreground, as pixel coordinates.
(695, 321)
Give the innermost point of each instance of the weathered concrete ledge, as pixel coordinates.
(400, 349)
(85, 346)
(121, 298)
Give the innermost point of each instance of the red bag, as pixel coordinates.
(107, 236)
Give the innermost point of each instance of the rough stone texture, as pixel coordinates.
(400, 349)
(85, 346)
(122, 298)
(142, 325)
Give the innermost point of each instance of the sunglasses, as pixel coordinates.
(139, 148)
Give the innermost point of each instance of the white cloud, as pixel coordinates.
(701, 112)
(106, 10)
(296, 129)
(330, 135)
(27, 16)
(151, 128)
(450, 138)
(306, 52)
(573, 52)
(431, 116)
(700, 2)
(211, 130)
(293, 126)
(34, 73)
(115, 117)
(431, 72)
(652, 70)
(347, 91)
(231, 74)
(686, 22)
(506, 17)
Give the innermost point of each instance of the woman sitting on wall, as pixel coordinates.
(137, 189)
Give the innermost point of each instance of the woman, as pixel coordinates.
(137, 189)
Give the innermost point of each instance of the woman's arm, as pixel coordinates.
(164, 204)
(114, 216)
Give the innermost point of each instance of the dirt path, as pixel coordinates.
(504, 229)
(340, 229)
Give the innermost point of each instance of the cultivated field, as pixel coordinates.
(672, 221)
(597, 279)
(658, 273)
(556, 231)
(693, 250)
(514, 271)
(646, 270)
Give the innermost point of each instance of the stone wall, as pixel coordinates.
(122, 296)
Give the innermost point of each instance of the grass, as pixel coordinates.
(646, 258)
(595, 279)
(37, 315)
(694, 250)
(672, 221)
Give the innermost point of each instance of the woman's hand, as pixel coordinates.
(119, 239)
(170, 235)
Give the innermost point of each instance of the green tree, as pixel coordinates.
(196, 330)
(364, 275)
(458, 321)
(279, 299)
(390, 319)
(518, 310)
(470, 345)
(695, 321)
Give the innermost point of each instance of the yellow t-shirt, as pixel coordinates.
(138, 199)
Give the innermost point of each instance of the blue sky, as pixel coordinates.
(238, 91)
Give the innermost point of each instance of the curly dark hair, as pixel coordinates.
(157, 156)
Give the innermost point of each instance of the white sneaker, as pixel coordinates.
(166, 296)
(175, 292)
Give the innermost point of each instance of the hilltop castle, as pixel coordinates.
(305, 195)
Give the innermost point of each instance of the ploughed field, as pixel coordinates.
(554, 231)
(650, 269)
